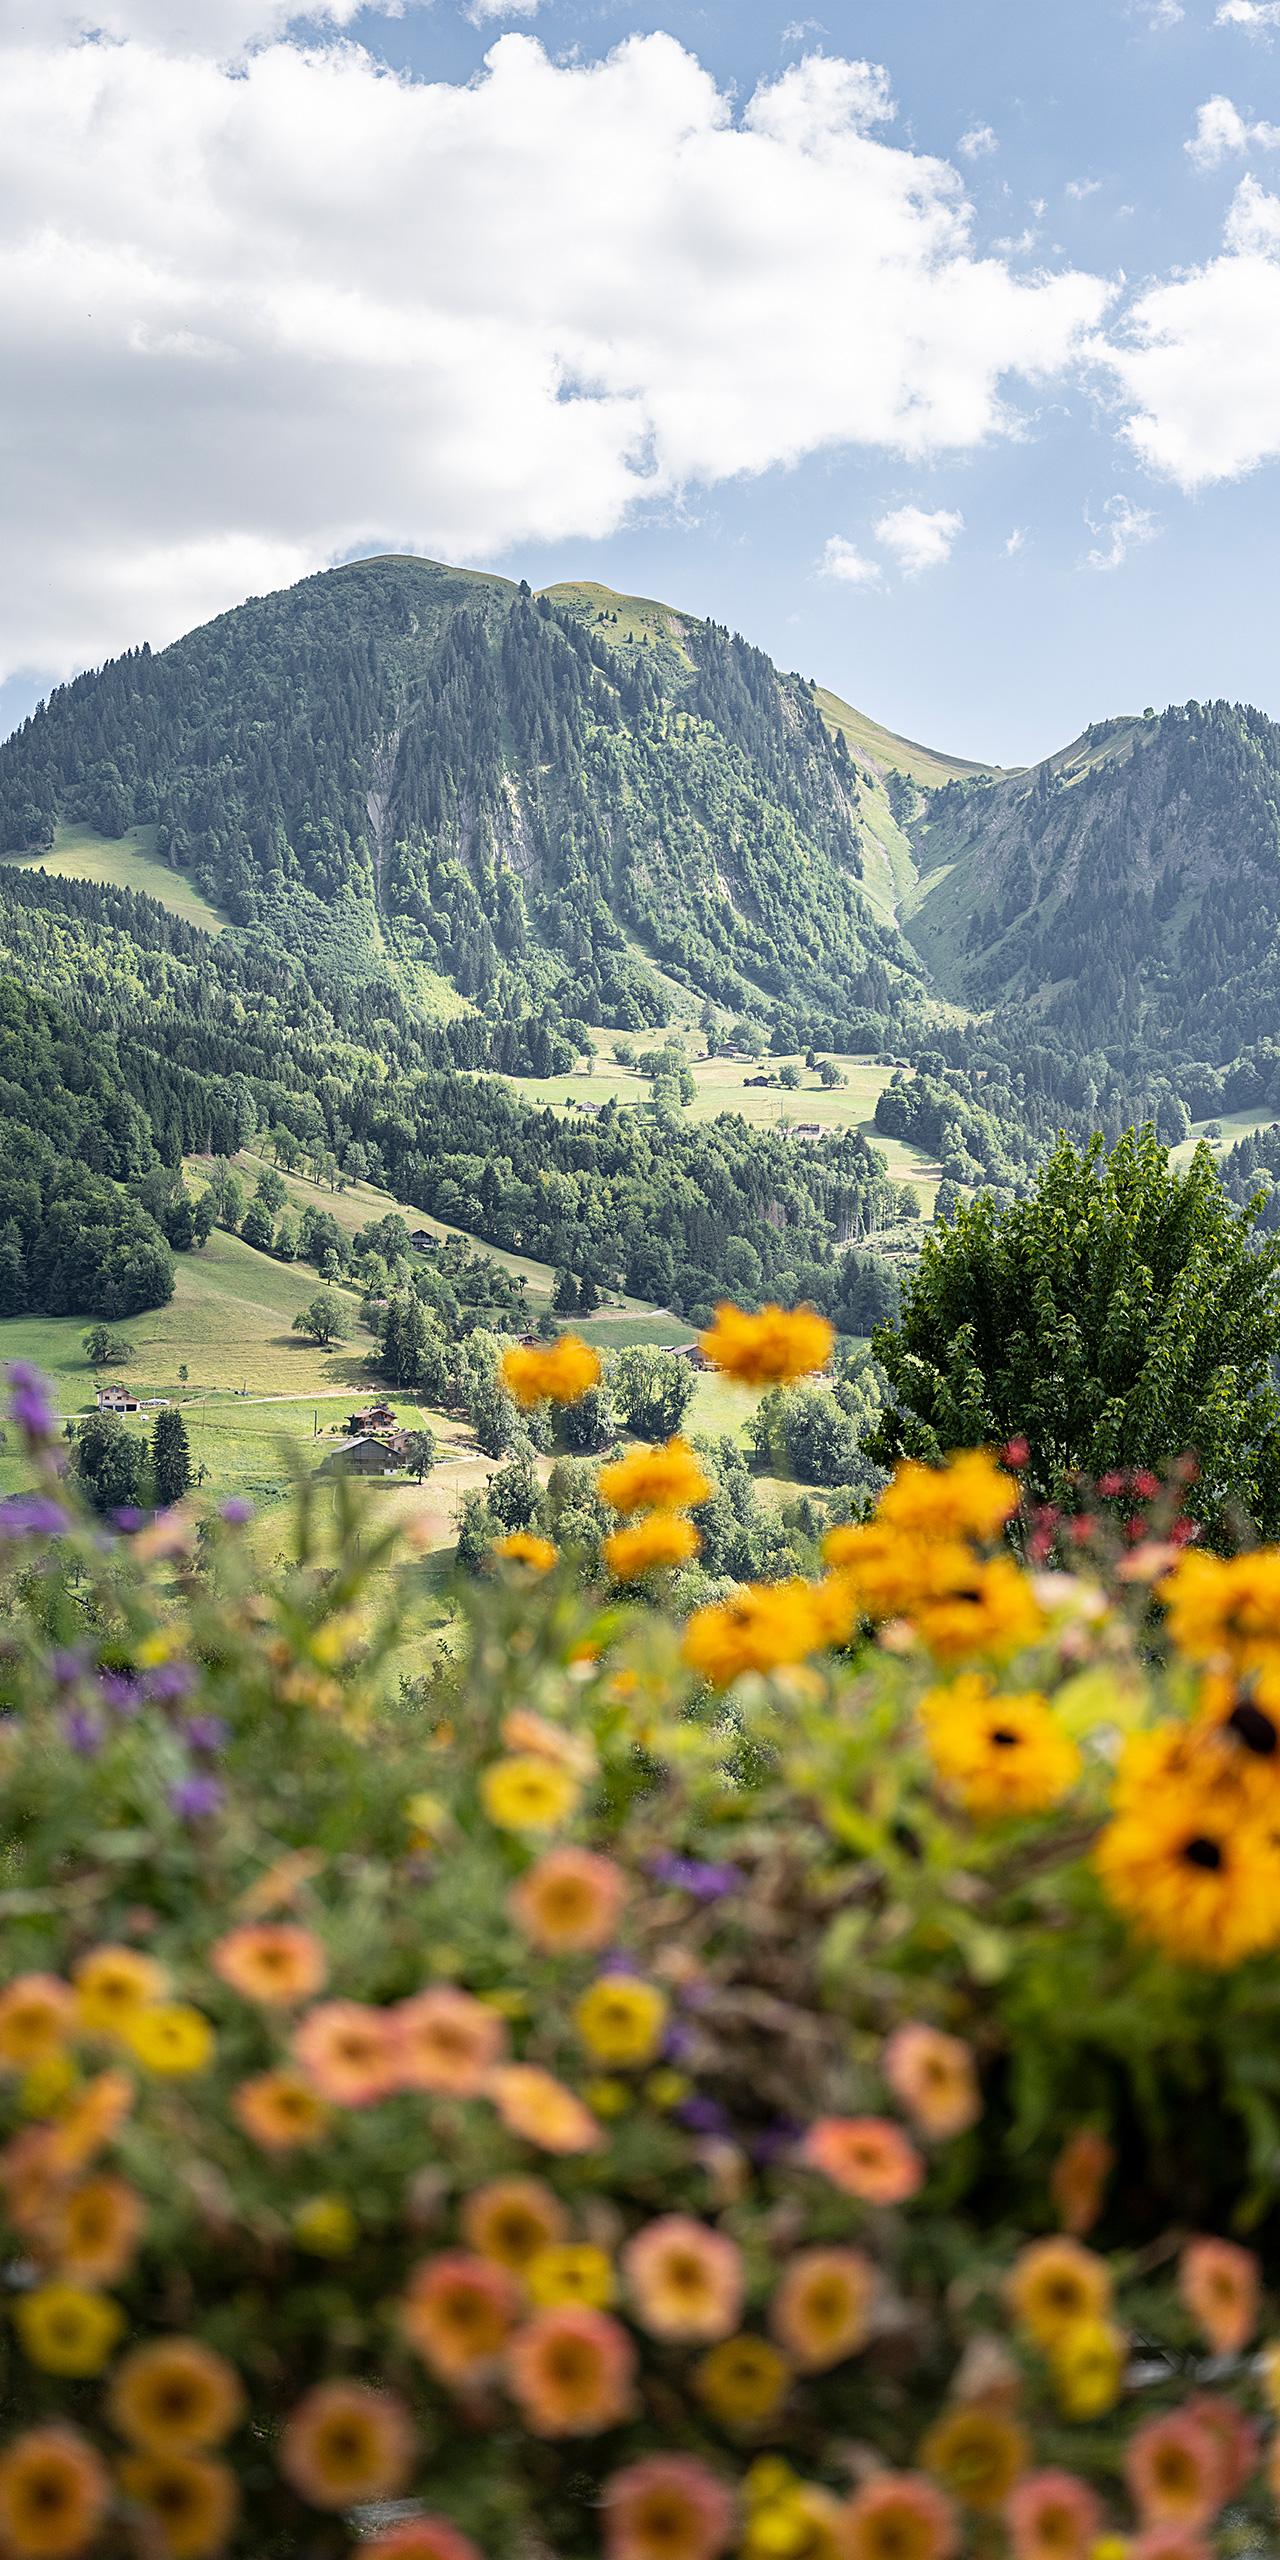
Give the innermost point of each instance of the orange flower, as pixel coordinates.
(1053, 2516)
(511, 2219)
(36, 2015)
(1055, 2287)
(770, 1349)
(344, 2445)
(54, 2494)
(933, 2076)
(522, 1547)
(420, 2538)
(866, 2156)
(670, 1478)
(977, 2452)
(686, 2280)
(459, 2313)
(272, 1961)
(279, 2110)
(651, 1545)
(28, 2180)
(570, 2372)
(569, 1902)
(175, 2396)
(668, 2507)
(94, 2231)
(191, 2503)
(821, 2310)
(89, 2122)
(112, 1984)
(347, 2052)
(447, 2042)
(560, 1373)
(541, 2110)
(898, 2515)
(1235, 2436)
(1078, 2179)
(1173, 2466)
(1219, 2285)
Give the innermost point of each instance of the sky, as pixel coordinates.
(935, 344)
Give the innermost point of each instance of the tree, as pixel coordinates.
(652, 1391)
(109, 1463)
(170, 1458)
(271, 1191)
(204, 1218)
(255, 1226)
(420, 1453)
(829, 1074)
(565, 1300)
(1119, 1316)
(104, 1349)
(323, 1320)
(588, 1294)
(789, 1077)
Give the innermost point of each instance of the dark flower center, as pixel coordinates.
(1254, 1728)
(1203, 1853)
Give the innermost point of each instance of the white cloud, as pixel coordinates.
(218, 28)
(1162, 13)
(844, 561)
(918, 540)
(979, 142)
(313, 307)
(1200, 360)
(799, 30)
(479, 10)
(1222, 134)
(1079, 190)
(1257, 17)
(1123, 528)
(1017, 542)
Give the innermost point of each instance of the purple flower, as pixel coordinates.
(83, 1732)
(678, 2043)
(775, 2141)
(119, 1691)
(206, 1733)
(29, 1402)
(32, 1515)
(703, 2115)
(169, 1682)
(195, 1798)
(68, 1665)
(697, 1876)
(237, 1510)
(127, 1518)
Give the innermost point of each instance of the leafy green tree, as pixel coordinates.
(271, 1191)
(255, 1226)
(588, 1425)
(830, 1075)
(323, 1320)
(420, 1453)
(1122, 1314)
(170, 1458)
(104, 1349)
(652, 1391)
(109, 1462)
(514, 1492)
(789, 1077)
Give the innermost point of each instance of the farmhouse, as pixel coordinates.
(374, 1417)
(118, 1400)
(362, 1455)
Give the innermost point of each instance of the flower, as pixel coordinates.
(279, 2110)
(522, 1547)
(1219, 2285)
(621, 2021)
(866, 2156)
(271, 1961)
(54, 2494)
(791, 2515)
(326, 2227)
(513, 2220)
(1194, 1873)
(821, 2310)
(1234, 2435)
(570, 2371)
(1000, 1756)
(36, 2013)
(933, 2076)
(345, 2444)
(569, 1903)
(198, 1797)
(1088, 2364)
(87, 2122)
(94, 2231)
(458, 2314)
(898, 2515)
(347, 2052)
(1173, 2468)
(667, 1479)
(770, 1349)
(1053, 2516)
(686, 2280)
(570, 2271)
(447, 2042)
(171, 2040)
(527, 1792)
(762, 1628)
(1055, 2286)
(667, 2507)
(971, 1497)
(175, 2396)
(29, 1404)
(191, 2503)
(112, 1984)
(420, 2538)
(977, 2452)
(1165, 2543)
(1225, 1608)
(67, 2330)
(1078, 2178)
(659, 1540)
(560, 1372)
(743, 2381)
(541, 2110)
(995, 1612)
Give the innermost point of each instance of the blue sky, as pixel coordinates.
(1050, 546)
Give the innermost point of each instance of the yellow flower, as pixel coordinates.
(1225, 1608)
(667, 2089)
(621, 2021)
(666, 1479)
(993, 1612)
(977, 2453)
(764, 1627)
(661, 1539)
(171, 2040)
(190, 2503)
(67, 2331)
(175, 2395)
(428, 1820)
(743, 2382)
(1195, 1873)
(36, 2016)
(54, 2495)
(560, 1373)
(1057, 2287)
(538, 1554)
(1088, 2366)
(326, 2227)
(607, 2097)
(1000, 1756)
(970, 1497)
(112, 1984)
(570, 2271)
(527, 1792)
(43, 2088)
(770, 1349)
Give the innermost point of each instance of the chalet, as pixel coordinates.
(362, 1455)
(806, 1129)
(375, 1418)
(118, 1400)
(423, 1241)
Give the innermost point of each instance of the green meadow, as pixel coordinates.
(123, 862)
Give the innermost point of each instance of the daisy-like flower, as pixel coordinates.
(743, 2381)
(650, 1545)
(528, 1792)
(559, 1372)
(190, 2503)
(865, 2156)
(1225, 1609)
(271, 1961)
(621, 2021)
(1051, 2515)
(770, 1349)
(447, 2042)
(94, 2230)
(280, 2111)
(345, 2445)
(763, 1628)
(977, 2452)
(66, 2330)
(1193, 1874)
(1088, 2363)
(970, 1497)
(175, 2396)
(1000, 1756)
(994, 1614)
(89, 2121)
(171, 2040)
(899, 2515)
(685, 2280)
(348, 2052)
(458, 2314)
(1220, 2285)
(541, 2110)
(421, 2538)
(570, 2371)
(1235, 2436)
(513, 2221)
(933, 2077)
(1055, 2286)
(112, 1984)
(569, 1903)
(1173, 2468)
(667, 2507)
(37, 2013)
(325, 2227)
(54, 2494)
(670, 1478)
(570, 2271)
(522, 1547)
(821, 2310)
(1077, 2181)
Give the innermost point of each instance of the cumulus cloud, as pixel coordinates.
(918, 540)
(255, 321)
(1257, 17)
(479, 10)
(219, 28)
(1222, 133)
(844, 561)
(979, 142)
(1200, 360)
(1122, 528)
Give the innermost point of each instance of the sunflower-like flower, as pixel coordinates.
(280, 2111)
(763, 1628)
(112, 1984)
(1194, 1873)
(271, 1961)
(175, 2396)
(458, 2314)
(569, 1902)
(570, 2273)
(54, 2494)
(528, 1792)
(670, 1478)
(899, 2515)
(993, 1613)
(513, 2220)
(999, 1755)
(523, 1547)
(621, 2020)
(571, 2370)
(94, 2230)
(171, 2040)
(743, 2382)
(650, 1545)
(190, 2503)
(555, 1373)
(446, 2041)
(970, 1497)
(933, 2076)
(666, 2507)
(685, 2280)
(977, 2451)
(65, 2329)
(348, 2052)
(1051, 2515)
(1225, 1609)
(1055, 2286)
(345, 2445)
(1173, 2467)
(770, 1349)
(821, 2310)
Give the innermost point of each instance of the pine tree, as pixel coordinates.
(170, 1458)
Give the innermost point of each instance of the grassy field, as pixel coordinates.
(124, 862)
(1234, 1126)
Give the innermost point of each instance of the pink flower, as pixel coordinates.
(668, 2507)
(933, 2077)
(867, 2156)
(685, 2279)
(1052, 2516)
(570, 2372)
(420, 2538)
(1235, 2436)
(1173, 2466)
(900, 2511)
(347, 2052)
(1219, 2286)
(1166, 2543)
